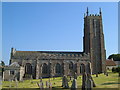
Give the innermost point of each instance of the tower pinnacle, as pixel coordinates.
(100, 12)
(87, 11)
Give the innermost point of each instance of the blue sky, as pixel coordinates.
(54, 26)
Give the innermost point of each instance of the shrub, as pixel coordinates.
(113, 69)
(117, 69)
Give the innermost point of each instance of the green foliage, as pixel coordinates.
(116, 69)
(116, 57)
(113, 69)
(2, 63)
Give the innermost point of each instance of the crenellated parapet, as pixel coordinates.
(92, 15)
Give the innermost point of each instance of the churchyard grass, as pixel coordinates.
(102, 81)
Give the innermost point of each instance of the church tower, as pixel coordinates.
(94, 41)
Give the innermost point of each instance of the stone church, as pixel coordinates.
(38, 64)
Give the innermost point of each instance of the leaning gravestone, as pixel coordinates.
(38, 84)
(65, 82)
(74, 85)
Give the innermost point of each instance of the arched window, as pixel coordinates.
(45, 68)
(82, 68)
(89, 68)
(71, 65)
(28, 68)
(76, 67)
(58, 68)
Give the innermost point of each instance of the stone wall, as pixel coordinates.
(36, 60)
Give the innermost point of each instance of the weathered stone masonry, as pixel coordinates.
(45, 63)
(38, 64)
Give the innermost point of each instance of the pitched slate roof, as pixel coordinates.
(110, 62)
(26, 55)
(35, 53)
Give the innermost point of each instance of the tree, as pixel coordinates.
(2, 69)
(116, 57)
(2, 63)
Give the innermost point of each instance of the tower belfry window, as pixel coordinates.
(95, 26)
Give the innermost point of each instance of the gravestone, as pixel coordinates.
(106, 73)
(97, 75)
(31, 77)
(10, 83)
(50, 85)
(65, 82)
(41, 85)
(89, 84)
(53, 78)
(47, 85)
(75, 75)
(70, 77)
(40, 79)
(16, 82)
(90, 77)
(38, 84)
(74, 85)
(84, 77)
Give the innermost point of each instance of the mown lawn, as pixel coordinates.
(102, 81)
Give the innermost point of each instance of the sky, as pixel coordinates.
(54, 26)
(119, 27)
(0, 31)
